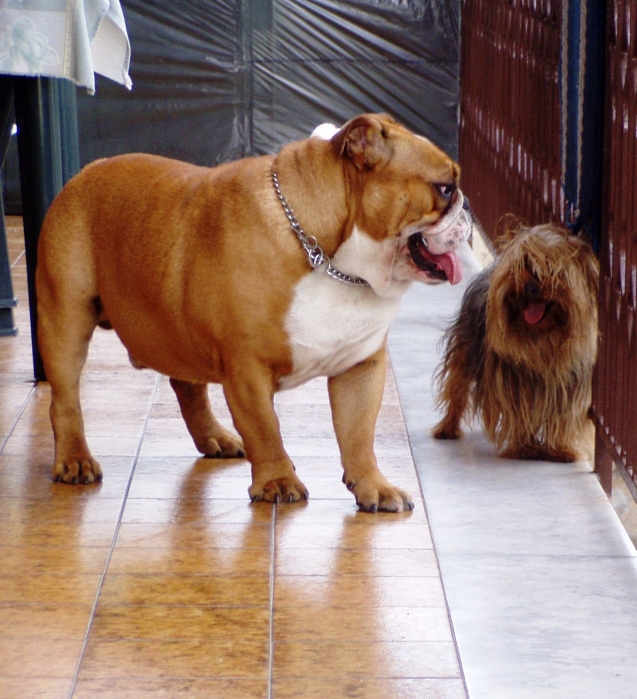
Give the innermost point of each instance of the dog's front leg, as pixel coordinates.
(250, 395)
(355, 399)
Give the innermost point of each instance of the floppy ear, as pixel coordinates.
(364, 141)
(507, 227)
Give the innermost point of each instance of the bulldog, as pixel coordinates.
(258, 274)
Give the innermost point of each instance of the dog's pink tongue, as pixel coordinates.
(534, 312)
(448, 262)
(451, 266)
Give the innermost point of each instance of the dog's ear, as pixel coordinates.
(507, 227)
(364, 140)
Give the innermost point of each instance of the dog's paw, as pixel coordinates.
(285, 489)
(447, 429)
(375, 493)
(225, 446)
(562, 455)
(77, 469)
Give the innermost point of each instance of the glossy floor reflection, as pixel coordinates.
(165, 582)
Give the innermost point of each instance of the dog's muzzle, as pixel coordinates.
(433, 248)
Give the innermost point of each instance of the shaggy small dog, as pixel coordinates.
(522, 349)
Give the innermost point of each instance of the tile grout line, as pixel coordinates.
(18, 258)
(114, 539)
(3, 444)
(431, 536)
(271, 602)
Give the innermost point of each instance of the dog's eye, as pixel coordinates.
(446, 190)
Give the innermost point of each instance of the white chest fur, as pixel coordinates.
(332, 326)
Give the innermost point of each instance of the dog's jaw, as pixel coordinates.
(375, 261)
(424, 252)
(389, 266)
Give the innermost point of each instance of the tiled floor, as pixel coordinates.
(165, 582)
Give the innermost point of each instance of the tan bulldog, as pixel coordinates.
(259, 275)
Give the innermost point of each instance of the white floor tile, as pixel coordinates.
(539, 574)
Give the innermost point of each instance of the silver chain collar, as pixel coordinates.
(317, 258)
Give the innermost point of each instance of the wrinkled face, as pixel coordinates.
(408, 204)
(432, 248)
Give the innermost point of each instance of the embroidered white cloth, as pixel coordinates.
(65, 39)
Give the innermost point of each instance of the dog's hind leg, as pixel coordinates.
(456, 399)
(454, 381)
(459, 376)
(68, 312)
(67, 317)
(210, 438)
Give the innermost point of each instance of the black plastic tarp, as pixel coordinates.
(215, 80)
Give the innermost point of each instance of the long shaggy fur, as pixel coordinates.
(520, 353)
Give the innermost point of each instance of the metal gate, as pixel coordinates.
(615, 403)
(510, 110)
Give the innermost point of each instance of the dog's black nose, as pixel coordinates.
(531, 290)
